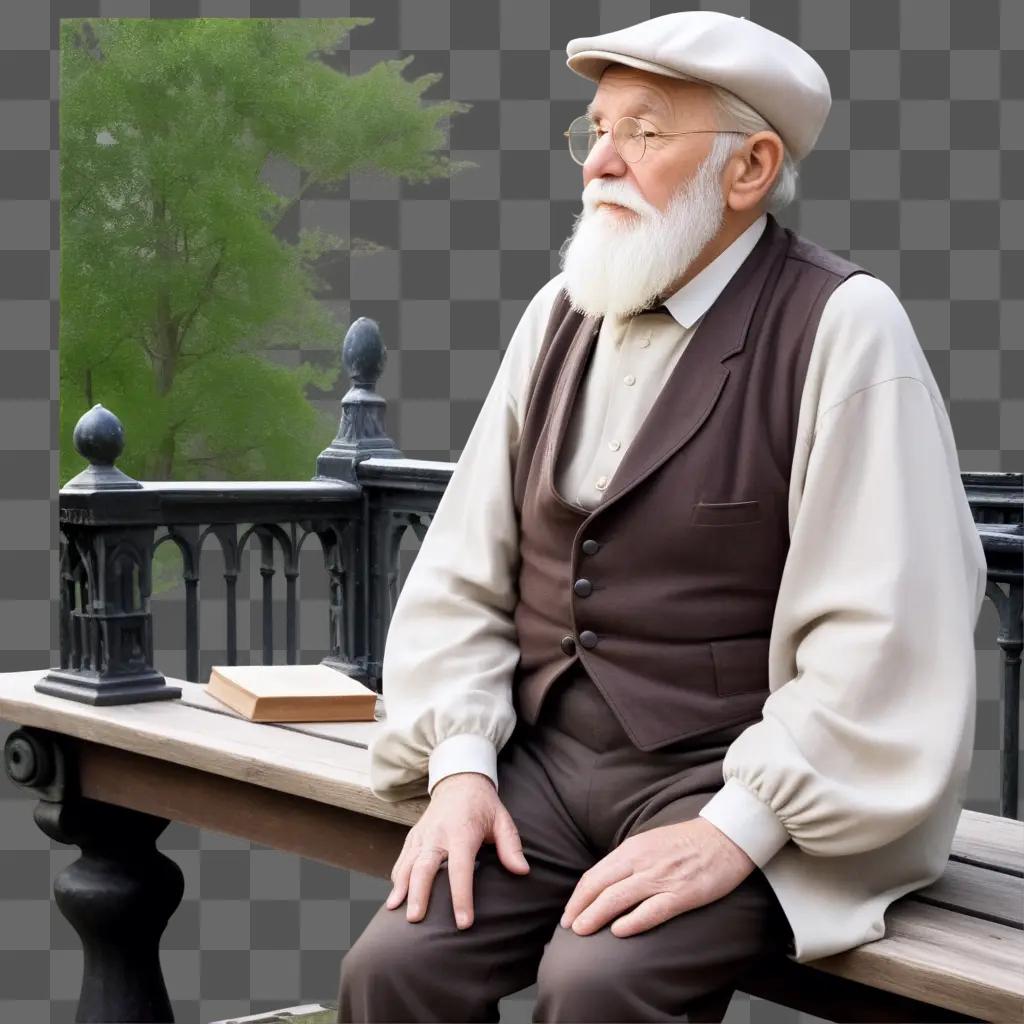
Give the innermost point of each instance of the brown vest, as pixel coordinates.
(666, 590)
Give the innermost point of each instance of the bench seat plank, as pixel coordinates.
(981, 892)
(991, 840)
(943, 957)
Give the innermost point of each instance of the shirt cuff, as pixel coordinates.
(463, 752)
(749, 822)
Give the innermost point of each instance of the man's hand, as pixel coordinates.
(464, 811)
(666, 870)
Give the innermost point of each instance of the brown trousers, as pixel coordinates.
(576, 787)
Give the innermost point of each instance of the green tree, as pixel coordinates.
(173, 279)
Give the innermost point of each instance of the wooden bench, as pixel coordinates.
(952, 951)
(102, 766)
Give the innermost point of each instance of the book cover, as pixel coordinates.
(292, 693)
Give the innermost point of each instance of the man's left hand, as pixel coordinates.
(666, 870)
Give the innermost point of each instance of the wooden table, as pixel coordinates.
(110, 779)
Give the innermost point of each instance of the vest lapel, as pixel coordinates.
(698, 379)
(567, 387)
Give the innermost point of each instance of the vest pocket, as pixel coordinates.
(721, 513)
(741, 666)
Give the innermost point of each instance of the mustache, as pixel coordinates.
(593, 198)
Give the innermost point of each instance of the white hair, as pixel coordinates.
(733, 113)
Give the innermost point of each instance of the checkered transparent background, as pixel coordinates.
(919, 175)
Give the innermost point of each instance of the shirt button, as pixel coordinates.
(568, 645)
(590, 546)
(615, 445)
(644, 342)
(601, 483)
(629, 379)
(588, 638)
(583, 587)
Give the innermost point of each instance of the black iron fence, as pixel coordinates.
(359, 504)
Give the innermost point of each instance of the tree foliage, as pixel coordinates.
(174, 281)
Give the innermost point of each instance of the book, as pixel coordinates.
(292, 693)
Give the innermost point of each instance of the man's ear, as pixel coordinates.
(754, 170)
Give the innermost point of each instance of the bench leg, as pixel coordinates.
(118, 896)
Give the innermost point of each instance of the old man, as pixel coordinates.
(685, 660)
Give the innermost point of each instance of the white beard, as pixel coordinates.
(617, 262)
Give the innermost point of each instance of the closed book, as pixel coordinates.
(292, 693)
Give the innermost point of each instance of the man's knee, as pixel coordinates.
(602, 977)
(399, 970)
(582, 982)
(580, 978)
(384, 952)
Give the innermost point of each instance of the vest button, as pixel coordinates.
(590, 546)
(568, 645)
(583, 587)
(588, 638)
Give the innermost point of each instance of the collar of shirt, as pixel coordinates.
(689, 303)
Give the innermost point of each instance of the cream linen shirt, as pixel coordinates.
(848, 790)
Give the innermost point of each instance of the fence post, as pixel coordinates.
(351, 559)
(106, 625)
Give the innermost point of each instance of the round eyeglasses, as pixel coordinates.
(629, 137)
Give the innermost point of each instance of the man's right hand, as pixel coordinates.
(464, 812)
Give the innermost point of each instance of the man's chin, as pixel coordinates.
(612, 222)
(591, 274)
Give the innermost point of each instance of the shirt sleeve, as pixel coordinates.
(451, 647)
(872, 670)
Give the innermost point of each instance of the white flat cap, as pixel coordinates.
(778, 78)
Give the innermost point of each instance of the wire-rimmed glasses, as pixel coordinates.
(629, 137)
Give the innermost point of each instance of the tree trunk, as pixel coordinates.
(166, 341)
(162, 461)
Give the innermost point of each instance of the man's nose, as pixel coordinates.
(603, 159)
